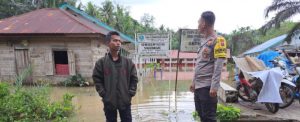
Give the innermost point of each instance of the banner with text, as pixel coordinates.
(190, 40)
(153, 45)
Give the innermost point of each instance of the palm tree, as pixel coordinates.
(284, 9)
(92, 9)
(107, 11)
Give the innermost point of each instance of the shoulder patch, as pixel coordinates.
(220, 49)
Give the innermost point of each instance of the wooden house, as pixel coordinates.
(56, 42)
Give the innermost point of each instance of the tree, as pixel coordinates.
(92, 10)
(148, 21)
(162, 28)
(245, 38)
(115, 16)
(14, 7)
(120, 18)
(284, 9)
(242, 39)
(107, 12)
(50, 3)
(10, 8)
(80, 6)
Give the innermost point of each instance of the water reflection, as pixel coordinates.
(153, 102)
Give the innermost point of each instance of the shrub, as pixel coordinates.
(75, 80)
(224, 113)
(4, 90)
(31, 105)
(229, 112)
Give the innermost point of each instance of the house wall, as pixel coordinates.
(82, 55)
(7, 62)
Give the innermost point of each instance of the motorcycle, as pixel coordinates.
(287, 87)
(249, 90)
(296, 81)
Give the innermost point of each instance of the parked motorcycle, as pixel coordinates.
(296, 81)
(287, 87)
(249, 90)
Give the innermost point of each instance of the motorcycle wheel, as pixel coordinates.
(272, 107)
(243, 93)
(287, 95)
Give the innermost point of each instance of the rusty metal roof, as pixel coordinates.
(64, 20)
(46, 21)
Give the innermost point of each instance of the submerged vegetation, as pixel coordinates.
(17, 103)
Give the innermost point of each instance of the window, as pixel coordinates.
(61, 62)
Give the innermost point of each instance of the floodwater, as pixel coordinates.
(154, 102)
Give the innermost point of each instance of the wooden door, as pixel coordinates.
(22, 62)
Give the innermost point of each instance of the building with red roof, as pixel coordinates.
(56, 42)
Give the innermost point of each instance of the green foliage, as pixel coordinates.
(75, 80)
(175, 40)
(283, 9)
(228, 113)
(10, 8)
(4, 90)
(118, 17)
(32, 105)
(230, 66)
(153, 65)
(195, 115)
(114, 15)
(245, 38)
(274, 32)
(92, 9)
(61, 109)
(224, 113)
(23, 76)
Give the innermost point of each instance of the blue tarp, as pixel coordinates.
(268, 56)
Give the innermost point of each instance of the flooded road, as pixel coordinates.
(153, 102)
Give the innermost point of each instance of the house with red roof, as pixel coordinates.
(55, 42)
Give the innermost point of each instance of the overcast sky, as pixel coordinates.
(175, 14)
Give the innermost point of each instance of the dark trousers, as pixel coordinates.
(206, 106)
(125, 114)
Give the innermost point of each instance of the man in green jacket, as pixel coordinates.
(115, 78)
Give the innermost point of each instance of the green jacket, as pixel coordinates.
(115, 81)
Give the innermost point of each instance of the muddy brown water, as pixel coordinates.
(154, 102)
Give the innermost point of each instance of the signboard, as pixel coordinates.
(190, 40)
(153, 45)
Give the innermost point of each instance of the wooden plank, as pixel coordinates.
(7, 71)
(38, 66)
(71, 59)
(83, 52)
(49, 63)
(6, 51)
(79, 44)
(8, 66)
(22, 60)
(84, 68)
(5, 47)
(83, 63)
(95, 44)
(83, 60)
(38, 72)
